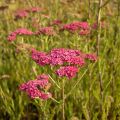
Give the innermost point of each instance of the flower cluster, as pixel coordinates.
(34, 9)
(21, 31)
(35, 88)
(69, 59)
(46, 31)
(95, 25)
(91, 57)
(56, 22)
(74, 26)
(22, 13)
(68, 71)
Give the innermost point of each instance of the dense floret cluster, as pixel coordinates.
(35, 88)
(21, 31)
(68, 59)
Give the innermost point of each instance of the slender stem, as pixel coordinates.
(76, 84)
(54, 82)
(99, 26)
(98, 48)
(63, 99)
(89, 4)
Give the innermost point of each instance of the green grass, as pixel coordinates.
(85, 101)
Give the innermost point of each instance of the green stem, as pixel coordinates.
(76, 84)
(63, 99)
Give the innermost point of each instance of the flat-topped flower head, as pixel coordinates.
(92, 57)
(20, 31)
(34, 9)
(21, 14)
(75, 26)
(95, 25)
(84, 32)
(45, 31)
(56, 22)
(40, 58)
(12, 36)
(68, 71)
(23, 31)
(61, 56)
(34, 87)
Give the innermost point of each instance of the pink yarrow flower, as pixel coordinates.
(21, 31)
(84, 32)
(92, 57)
(74, 26)
(32, 87)
(68, 71)
(34, 9)
(58, 56)
(68, 59)
(40, 58)
(21, 14)
(56, 22)
(95, 25)
(46, 31)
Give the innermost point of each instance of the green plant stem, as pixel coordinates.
(63, 99)
(76, 84)
(98, 49)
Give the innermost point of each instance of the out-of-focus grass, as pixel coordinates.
(84, 102)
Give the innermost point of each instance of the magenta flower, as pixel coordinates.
(59, 56)
(32, 87)
(95, 25)
(21, 31)
(74, 26)
(40, 58)
(91, 57)
(34, 9)
(21, 14)
(68, 71)
(84, 32)
(46, 31)
(84, 25)
(69, 59)
(56, 22)
(12, 36)
(78, 60)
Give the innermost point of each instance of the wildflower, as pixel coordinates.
(34, 9)
(68, 71)
(21, 14)
(95, 25)
(84, 25)
(12, 36)
(56, 22)
(91, 57)
(46, 31)
(74, 26)
(21, 31)
(34, 87)
(84, 32)
(61, 56)
(78, 60)
(40, 58)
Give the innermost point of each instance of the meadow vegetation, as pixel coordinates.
(59, 59)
